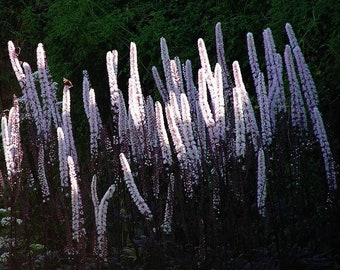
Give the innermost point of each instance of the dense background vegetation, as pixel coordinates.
(77, 35)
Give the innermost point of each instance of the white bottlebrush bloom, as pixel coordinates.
(297, 111)
(321, 136)
(175, 103)
(177, 80)
(261, 92)
(220, 111)
(206, 68)
(166, 65)
(193, 156)
(240, 131)
(86, 89)
(94, 122)
(133, 190)
(245, 109)
(160, 86)
(67, 126)
(176, 135)
(151, 130)
(136, 99)
(48, 89)
(192, 92)
(205, 110)
(168, 213)
(14, 136)
(16, 64)
(6, 146)
(92, 113)
(62, 154)
(276, 94)
(162, 135)
(248, 111)
(42, 174)
(94, 195)
(78, 230)
(221, 59)
(261, 182)
(100, 210)
(123, 126)
(203, 99)
(112, 70)
(306, 79)
(33, 102)
(11, 140)
(187, 128)
(137, 115)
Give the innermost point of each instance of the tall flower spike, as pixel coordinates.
(205, 108)
(168, 213)
(166, 64)
(210, 81)
(6, 146)
(274, 74)
(10, 129)
(193, 156)
(297, 109)
(160, 86)
(321, 136)
(112, 70)
(63, 170)
(100, 214)
(47, 87)
(42, 175)
(67, 126)
(133, 190)
(19, 73)
(78, 230)
(307, 82)
(220, 110)
(151, 136)
(221, 59)
(261, 93)
(188, 129)
(94, 196)
(192, 92)
(138, 120)
(240, 140)
(261, 182)
(86, 89)
(176, 135)
(33, 101)
(95, 124)
(123, 128)
(310, 94)
(205, 64)
(14, 135)
(248, 111)
(177, 80)
(180, 140)
(162, 134)
(134, 84)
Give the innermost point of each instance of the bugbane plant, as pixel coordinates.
(92, 113)
(217, 166)
(11, 141)
(78, 230)
(133, 190)
(100, 211)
